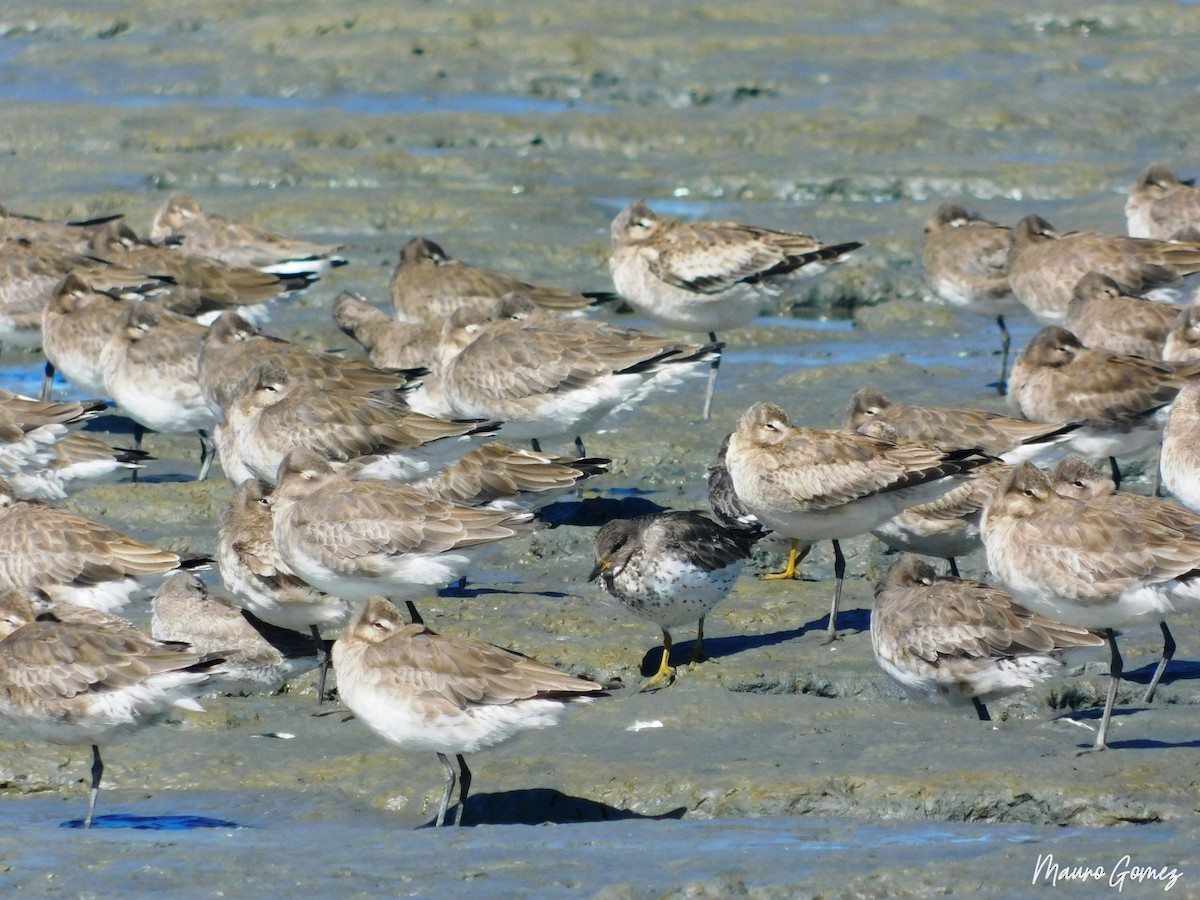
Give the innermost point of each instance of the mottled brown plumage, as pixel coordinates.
(76, 324)
(498, 475)
(388, 342)
(956, 429)
(545, 377)
(965, 259)
(1103, 316)
(274, 411)
(149, 365)
(73, 236)
(180, 222)
(258, 657)
(811, 484)
(219, 286)
(356, 538)
(1056, 378)
(422, 690)
(1160, 204)
(952, 639)
(1044, 265)
(70, 557)
(428, 284)
(1107, 562)
(89, 683)
(233, 347)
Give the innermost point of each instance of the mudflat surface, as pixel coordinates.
(511, 134)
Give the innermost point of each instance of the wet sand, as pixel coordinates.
(512, 135)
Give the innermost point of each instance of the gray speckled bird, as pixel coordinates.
(671, 568)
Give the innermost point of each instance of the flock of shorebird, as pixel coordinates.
(363, 486)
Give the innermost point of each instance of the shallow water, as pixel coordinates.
(512, 133)
(359, 855)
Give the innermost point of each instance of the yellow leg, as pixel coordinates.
(795, 557)
(666, 672)
(698, 654)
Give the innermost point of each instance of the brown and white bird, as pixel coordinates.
(708, 276)
(73, 236)
(76, 323)
(544, 377)
(78, 460)
(1179, 462)
(89, 683)
(429, 284)
(1161, 204)
(180, 222)
(274, 411)
(234, 346)
(30, 274)
(947, 526)
(358, 538)
(389, 342)
(1182, 343)
(498, 476)
(948, 639)
(952, 428)
(811, 484)
(1123, 401)
(210, 286)
(1104, 316)
(422, 690)
(260, 582)
(1044, 266)
(31, 429)
(259, 658)
(672, 568)
(965, 260)
(149, 365)
(1108, 562)
(74, 559)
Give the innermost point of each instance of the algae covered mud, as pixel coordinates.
(512, 133)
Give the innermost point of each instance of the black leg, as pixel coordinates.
(464, 788)
(537, 447)
(1115, 668)
(323, 664)
(981, 710)
(1167, 655)
(1116, 471)
(48, 380)
(953, 566)
(449, 789)
(839, 573)
(414, 617)
(97, 773)
(1005, 345)
(207, 451)
(712, 379)
(138, 433)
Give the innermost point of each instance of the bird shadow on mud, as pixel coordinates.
(1177, 670)
(1079, 715)
(539, 806)
(597, 511)
(460, 592)
(849, 621)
